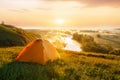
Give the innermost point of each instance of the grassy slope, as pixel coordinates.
(7, 35)
(12, 36)
(71, 66)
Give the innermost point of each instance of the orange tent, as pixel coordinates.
(38, 51)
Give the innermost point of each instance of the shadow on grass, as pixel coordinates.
(27, 71)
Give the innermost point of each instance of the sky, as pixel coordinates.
(64, 13)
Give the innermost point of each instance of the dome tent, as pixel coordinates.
(38, 51)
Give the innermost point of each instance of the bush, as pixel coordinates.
(98, 35)
(88, 44)
(82, 38)
(77, 37)
(93, 47)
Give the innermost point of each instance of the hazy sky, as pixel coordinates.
(70, 12)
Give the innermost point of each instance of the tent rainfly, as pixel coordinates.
(38, 51)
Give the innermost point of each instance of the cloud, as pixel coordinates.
(58, 5)
(19, 10)
(97, 3)
(43, 8)
(93, 3)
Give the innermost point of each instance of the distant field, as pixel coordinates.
(113, 40)
(106, 37)
(71, 66)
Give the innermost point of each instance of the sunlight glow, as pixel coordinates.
(59, 21)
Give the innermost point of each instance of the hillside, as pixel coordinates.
(12, 36)
(71, 66)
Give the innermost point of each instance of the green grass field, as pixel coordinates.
(71, 66)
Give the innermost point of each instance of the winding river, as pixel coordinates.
(71, 44)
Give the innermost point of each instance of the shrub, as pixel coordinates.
(98, 35)
(77, 37)
(88, 44)
(93, 47)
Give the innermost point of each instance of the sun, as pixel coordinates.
(59, 21)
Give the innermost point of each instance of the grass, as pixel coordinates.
(71, 66)
(12, 36)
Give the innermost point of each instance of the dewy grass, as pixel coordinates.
(71, 66)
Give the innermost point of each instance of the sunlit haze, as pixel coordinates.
(51, 13)
(59, 21)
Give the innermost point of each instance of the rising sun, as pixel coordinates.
(59, 21)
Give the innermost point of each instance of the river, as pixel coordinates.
(71, 44)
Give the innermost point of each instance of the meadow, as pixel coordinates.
(86, 34)
(71, 66)
(98, 60)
